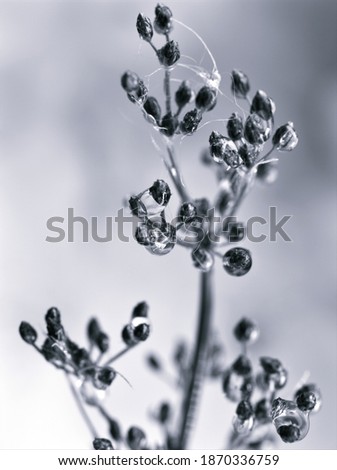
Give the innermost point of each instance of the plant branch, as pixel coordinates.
(199, 361)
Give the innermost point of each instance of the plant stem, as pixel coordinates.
(167, 90)
(175, 174)
(118, 355)
(81, 408)
(199, 361)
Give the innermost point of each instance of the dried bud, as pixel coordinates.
(142, 331)
(187, 212)
(103, 377)
(53, 315)
(256, 130)
(154, 362)
(311, 388)
(161, 193)
(184, 94)
(244, 410)
(163, 19)
(206, 98)
(306, 401)
(248, 154)
(190, 122)
(285, 137)
(270, 365)
(102, 444)
(235, 127)
(242, 366)
(223, 150)
(246, 331)
(169, 124)
(128, 336)
(144, 27)
(140, 310)
(115, 430)
(136, 438)
(202, 259)
(152, 108)
(262, 105)
(237, 261)
(130, 81)
(240, 84)
(139, 94)
(169, 54)
(27, 332)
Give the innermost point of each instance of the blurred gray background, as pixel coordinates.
(70, 138)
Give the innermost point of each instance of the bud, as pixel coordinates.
(162, 238)
(290, 422)
(206, 98)
(161, 193)
(248, 154)
(139, 94)
(27, 332)
(262, 105)
(244, 419)
(144, 27)
(190, 122)
(136, 438)
(103, 377)
(285, 137)
(242, 365)
(187, 212)
(130, 81)
(275, 373)
(127, 335)
(306, 401)
(246, 331)
(240, 84)
(114, 429)
(203, 259)
(311, 388)
(237, 261)
(169, 54)
(152, 108)
(256, 130)
(184, 94)
(163, 19)
(102, 444)
(142, 234)
(102, 342)
(235, 127)
(223, 149)
(262, 410)
(169, 124)
(142, 331)
(140, 310)
(164, 413)
(53, 315)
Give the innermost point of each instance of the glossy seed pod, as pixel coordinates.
(290, 422)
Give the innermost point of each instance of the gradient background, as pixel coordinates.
(70, 138)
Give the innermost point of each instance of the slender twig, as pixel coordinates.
(175, 174)
(81, 408)
(118, 355)
(167, 89)
(199, 362)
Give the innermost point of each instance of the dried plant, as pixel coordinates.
(238, 159)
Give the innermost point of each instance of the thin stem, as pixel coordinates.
(199, 362)
(81, 408)
(175, 174)
(118, 355)
(167, 89)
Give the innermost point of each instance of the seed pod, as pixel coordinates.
(102, 342)
(102, 444)
(184, 94)
(190, 122)
(128, 336)
(262, 105)
(262, 410)
(169, 124)
(164, 413)
(243, 421)
(53, 315)
(285, 137)
(162, 236)
(161, 193)
(236, 386)
(246, 331)
(152, 108)
(142, 331)
(163, 19)
(139, 94)
(206, 98)
(237, 261)
(169, 54)
(256, 130)
(242, 365)
(144, 27)
(130, 81)
(27, 332)
(223, 150)
(240, 84)
(143, 234)
(202, 259)
(248, 154)
(103, 377)
(114, 429)
(235, 127)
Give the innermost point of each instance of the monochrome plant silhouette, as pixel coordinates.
(208, 230)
